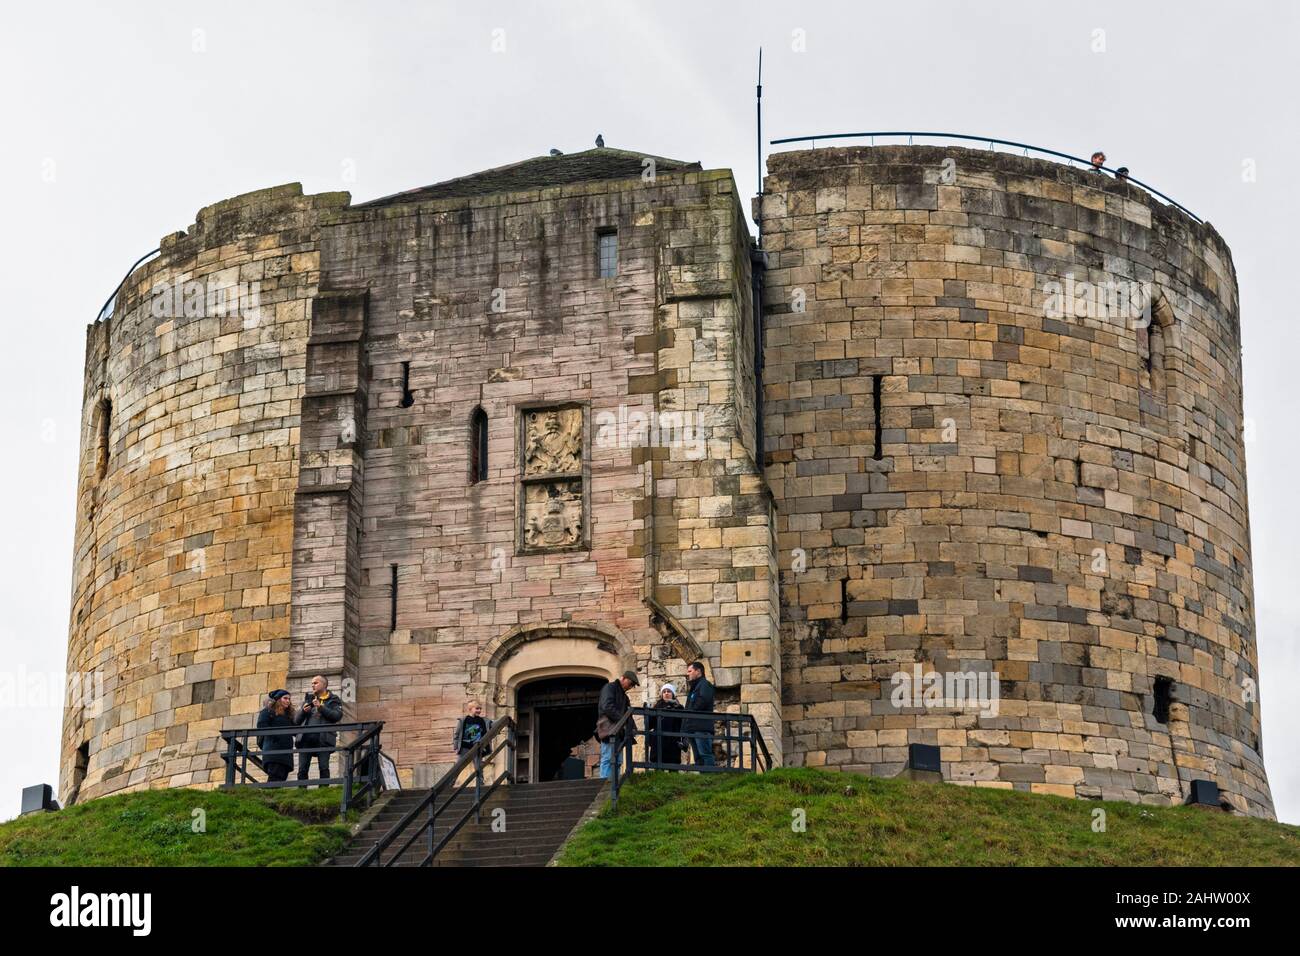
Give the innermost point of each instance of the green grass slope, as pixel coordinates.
(279, 827)
(681, 819)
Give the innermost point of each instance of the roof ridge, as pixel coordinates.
(589, 165)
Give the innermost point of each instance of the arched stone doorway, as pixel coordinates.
(557, 725)
(548, 679)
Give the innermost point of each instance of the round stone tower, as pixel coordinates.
(189, 460)
(1003, 432)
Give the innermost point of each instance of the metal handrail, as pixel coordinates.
(363, 750)
(991, 140)
(748, 734)
(478, 755)
(111, 300)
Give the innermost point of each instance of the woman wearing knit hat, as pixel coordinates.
(277, 749)
(661, 729)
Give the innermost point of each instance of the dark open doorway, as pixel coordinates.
(557, 722)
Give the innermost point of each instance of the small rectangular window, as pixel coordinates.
(608, 255)
(1164, 688)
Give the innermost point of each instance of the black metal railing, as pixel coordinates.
(433, 806)
(990, 140)
(111, 302)
(360, 756)
(738, 748)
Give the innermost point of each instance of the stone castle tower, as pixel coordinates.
(508, 435)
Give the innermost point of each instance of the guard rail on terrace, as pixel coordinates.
(361, 773)
(111, 302)
(739, 748)
(991, 141)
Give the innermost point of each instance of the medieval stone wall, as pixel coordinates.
(496, 303)
(188, 465)
(975, 463)
(973, 479)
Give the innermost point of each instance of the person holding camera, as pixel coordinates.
(277, 749)
(319, 709)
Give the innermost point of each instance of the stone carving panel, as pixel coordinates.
(553, 442)
(552, 498)
(553, 514)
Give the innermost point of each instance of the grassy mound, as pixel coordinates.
(682, 819)
(282, 827)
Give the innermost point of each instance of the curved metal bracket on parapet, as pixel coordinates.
(107, 307)
(991, 140)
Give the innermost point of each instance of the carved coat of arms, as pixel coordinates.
(554, 442)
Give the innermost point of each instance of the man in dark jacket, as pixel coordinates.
(320, 709)
(613, 704)
(277, 749)
(700, 698)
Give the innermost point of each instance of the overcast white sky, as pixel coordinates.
(120, 122)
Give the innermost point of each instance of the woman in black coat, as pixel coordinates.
(663, 747)
(277, 749)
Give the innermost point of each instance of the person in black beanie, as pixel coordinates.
(277, 749)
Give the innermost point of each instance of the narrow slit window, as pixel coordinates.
(392, 605)
(608, 254)
(80, 766)
(478, 446)
(103, 433)
(876, 388)
(408, 396)
(844, 600)
(1164, 694)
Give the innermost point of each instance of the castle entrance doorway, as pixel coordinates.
(555, 738)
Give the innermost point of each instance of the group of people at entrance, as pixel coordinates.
(319, 708)
(670, 731)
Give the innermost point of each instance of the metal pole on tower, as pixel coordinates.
(759, 143)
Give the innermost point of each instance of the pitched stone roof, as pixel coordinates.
(591, 165)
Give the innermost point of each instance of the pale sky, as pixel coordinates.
(121, 122)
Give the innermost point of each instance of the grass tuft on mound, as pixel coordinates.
(685, 819)
(280, 827)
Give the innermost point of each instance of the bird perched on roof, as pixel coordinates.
(556, 152)
(600, 141)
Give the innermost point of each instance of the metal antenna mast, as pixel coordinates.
(759, 150)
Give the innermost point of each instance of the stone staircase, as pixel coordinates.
(538, 817)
